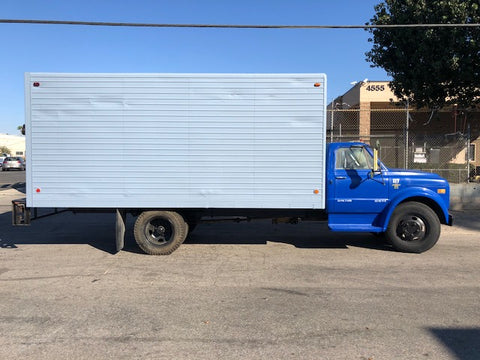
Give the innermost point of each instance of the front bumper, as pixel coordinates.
(450, 220)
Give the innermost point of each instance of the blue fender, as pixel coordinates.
(411, 193)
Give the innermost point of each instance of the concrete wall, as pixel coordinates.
(465, 196)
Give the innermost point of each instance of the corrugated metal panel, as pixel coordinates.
(175, 140)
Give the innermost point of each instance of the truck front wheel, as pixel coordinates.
(160, 232)
(414, 227)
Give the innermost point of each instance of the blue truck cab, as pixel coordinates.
(407, 206)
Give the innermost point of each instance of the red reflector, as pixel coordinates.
(37, 190)
(36, 84)
(316, 84)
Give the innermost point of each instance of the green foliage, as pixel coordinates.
(432, 67)
(4, 150)
(21, 128)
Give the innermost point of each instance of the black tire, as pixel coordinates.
(414, 228)
(160, 232)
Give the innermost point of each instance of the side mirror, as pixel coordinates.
(375, 160)
(375, 164)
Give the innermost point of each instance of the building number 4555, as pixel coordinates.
(375, 87)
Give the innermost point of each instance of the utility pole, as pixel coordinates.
(406, 132)
(469, 155)
(331, 122)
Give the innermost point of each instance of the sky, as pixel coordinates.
(339, 53)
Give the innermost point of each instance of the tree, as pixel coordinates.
(4, 150)
(21, 128)
(434, 66)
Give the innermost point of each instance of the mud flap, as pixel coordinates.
(121, 215)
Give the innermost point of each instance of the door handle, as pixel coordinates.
(340, 177)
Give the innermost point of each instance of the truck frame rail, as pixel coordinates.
(22, 215)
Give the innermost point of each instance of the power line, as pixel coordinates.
(225, 26)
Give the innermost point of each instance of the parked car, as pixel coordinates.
(16, 163)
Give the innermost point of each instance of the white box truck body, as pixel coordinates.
(175, 140)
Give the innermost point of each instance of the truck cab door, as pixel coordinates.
(356, 194)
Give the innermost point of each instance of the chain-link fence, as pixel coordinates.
(437, 142)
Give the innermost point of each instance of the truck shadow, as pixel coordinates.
(98, 231)
(307, 235)
(467, 219)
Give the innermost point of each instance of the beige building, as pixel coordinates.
(15, 143)
(365, 96)
(370, 110)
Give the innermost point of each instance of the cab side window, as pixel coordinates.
(353, 158)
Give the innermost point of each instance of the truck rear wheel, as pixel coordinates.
(414, 227)
(160, 232)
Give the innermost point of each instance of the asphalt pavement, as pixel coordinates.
(12, 179)
(234, 291)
